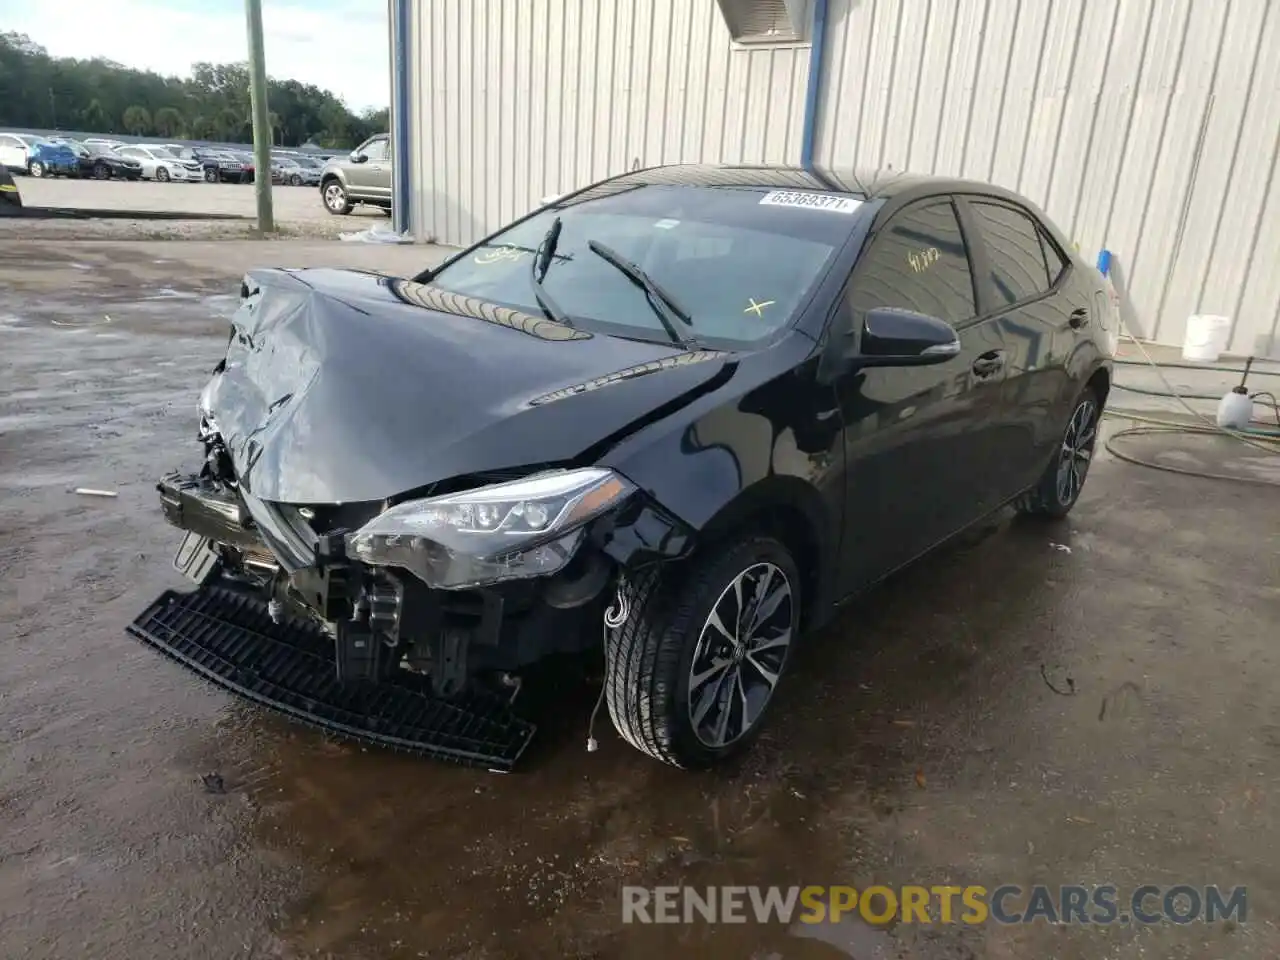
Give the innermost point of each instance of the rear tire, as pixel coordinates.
(683, 685)
(101, 171)
(295, 180)
(210, 176)
(36, 168)
(1063, 479)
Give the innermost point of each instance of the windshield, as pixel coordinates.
(161, 152)
(30, 139)
(739, 260)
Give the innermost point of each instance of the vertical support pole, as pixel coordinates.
(813, 90)
(400, 15)
(262, 136)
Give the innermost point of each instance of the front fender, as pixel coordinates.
(763, 451)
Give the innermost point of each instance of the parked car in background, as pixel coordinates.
(189, 163)
(159, 164)
(247, 164)
(362, 177)
(103, 163)
(217, 166)
(102, 142)
(310, 170)
(294, 172)
(49, 159)
(231, 169)
(15, 150)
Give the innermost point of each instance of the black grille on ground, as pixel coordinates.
(226, 636)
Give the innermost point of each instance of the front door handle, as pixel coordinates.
(1079, 317)
(989, 364)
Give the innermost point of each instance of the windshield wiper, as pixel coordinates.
(546, 251)
(661, 300)
(541, 261)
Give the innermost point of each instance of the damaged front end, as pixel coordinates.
(404, 619)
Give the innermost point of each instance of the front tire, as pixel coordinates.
(101, 171)
(1059, 486)
(162, 174)
(335, 198)
(691, 672)
(36, 168)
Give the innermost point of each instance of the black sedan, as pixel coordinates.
(692, 409)
(103, 163)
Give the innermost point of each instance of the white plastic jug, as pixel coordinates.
(1206, 337)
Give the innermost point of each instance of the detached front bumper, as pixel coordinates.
(330, 654)
(225, 634)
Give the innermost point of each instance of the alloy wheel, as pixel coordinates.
(334, 197)
(741, 652)
(1077, 451)
(37, 168)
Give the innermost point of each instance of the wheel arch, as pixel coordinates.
(1100, 382)
(790, 510)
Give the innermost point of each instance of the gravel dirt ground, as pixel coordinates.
(298, 210)
(1092, 702)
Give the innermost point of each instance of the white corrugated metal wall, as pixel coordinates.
(1146, 126)
(516, 99)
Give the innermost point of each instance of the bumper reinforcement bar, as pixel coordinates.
(227, 637)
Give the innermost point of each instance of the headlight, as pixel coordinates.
(524, 528)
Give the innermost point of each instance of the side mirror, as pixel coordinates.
(358, 157)
(902, 338)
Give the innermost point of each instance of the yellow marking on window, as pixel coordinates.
(499, 255)
(923, 260)
(758, 308)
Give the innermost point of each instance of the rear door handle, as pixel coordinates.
(989, 364)
(1079, 317)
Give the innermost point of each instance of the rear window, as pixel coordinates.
(1015, 252)
(741, 261)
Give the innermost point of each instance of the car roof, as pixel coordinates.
(866, 183)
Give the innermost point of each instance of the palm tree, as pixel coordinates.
(136, 120)
(202, 128)
(94, 117)
(169, 122)
(231, 123)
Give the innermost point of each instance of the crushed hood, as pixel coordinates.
(342, 387)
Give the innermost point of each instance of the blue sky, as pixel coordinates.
(339, 45)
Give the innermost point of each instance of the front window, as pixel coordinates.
(376, 150)
(160, 153)
(741, 261)
(919, 262)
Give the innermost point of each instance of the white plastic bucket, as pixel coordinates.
(1206, 337)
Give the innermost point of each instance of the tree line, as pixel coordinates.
(99, 96)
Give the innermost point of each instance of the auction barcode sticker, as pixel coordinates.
(810, 201)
